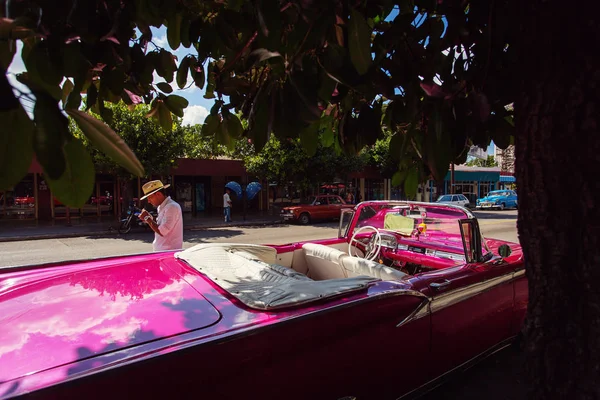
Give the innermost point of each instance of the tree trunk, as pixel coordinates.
(557, 166)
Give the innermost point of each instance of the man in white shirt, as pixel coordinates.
(227, 205)
(168, 227)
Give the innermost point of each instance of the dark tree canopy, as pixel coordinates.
(432, 72)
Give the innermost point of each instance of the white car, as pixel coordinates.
(455, 199)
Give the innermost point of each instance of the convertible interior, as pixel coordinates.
(253, 273)
(390, 245)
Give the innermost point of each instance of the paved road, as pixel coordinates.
(500, 225)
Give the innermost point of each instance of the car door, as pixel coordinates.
(472, 305)
(335, 207)
(320, 208)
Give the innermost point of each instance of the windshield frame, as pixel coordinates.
(347, 231)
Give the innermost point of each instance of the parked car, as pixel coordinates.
(455, 199)
(499, 199)
(472, 197)
(405, 284)
(318, 207)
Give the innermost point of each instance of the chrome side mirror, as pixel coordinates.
(504, 251)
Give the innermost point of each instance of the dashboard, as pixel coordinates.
(390, 242)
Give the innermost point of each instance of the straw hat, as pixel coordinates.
(152, 187)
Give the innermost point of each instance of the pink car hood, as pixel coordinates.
(58, 315)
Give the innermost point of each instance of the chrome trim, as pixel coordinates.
(421, 311)
(465, 210)
(450, 298)
(519, 273)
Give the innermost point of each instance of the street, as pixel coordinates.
(494, 224)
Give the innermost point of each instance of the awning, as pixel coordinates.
(507, 179)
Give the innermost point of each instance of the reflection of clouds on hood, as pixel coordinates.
(121, 331)
(51, 315)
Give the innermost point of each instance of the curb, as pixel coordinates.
(115, 232)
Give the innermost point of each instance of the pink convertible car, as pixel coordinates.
(406, 293)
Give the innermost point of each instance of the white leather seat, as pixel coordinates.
(323, 262)
(328, 263)
(360, 267)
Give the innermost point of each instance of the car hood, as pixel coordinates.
(299, 207)
(58, 315)
(492, 198)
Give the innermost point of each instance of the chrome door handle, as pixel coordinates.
(440, 285)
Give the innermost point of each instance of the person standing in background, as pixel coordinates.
(227, 205)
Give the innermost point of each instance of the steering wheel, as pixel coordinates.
(373, 247)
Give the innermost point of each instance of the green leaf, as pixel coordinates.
(16, 146)
(398, 146)
(165, 87)
(359, 37)
(92, 96)
(174, 30)
(75, 185)
(66, 90)
(214, 110)
(223, 138)
(411, 183)
(40, 67)
(176, 104)
(197, 71)
(52, 131)
(182, 72)
(210, 88)
(399, 177)
(167, 66)
(233, 125)
(185, 33)
(327, 137)
(107, 141)
(309, 138)
(210, 126)
(259, 133)
(164, 115)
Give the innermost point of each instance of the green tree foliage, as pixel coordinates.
(288, 161)
(156, 148)
(490, 161)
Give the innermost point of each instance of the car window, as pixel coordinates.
(462, 197)
(445, 198)
(334, 200)
(454, 198)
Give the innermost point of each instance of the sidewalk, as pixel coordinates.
(18, 230)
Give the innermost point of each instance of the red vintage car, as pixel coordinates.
(321, 207)
(406, 293)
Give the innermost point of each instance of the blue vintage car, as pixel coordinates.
(499, 199)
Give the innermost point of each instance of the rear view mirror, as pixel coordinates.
(504, 251)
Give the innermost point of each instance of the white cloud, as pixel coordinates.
(161, 41)
(194, 115)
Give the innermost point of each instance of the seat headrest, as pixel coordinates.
(322, 251)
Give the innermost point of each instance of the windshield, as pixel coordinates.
(440, 222)
(308, 200)
(499, 193)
